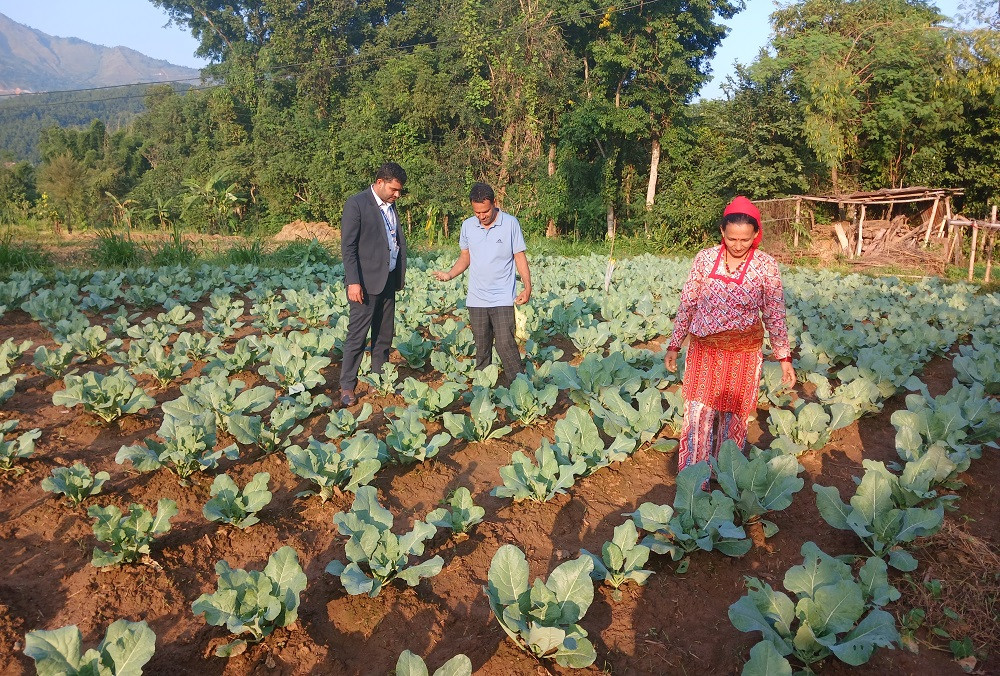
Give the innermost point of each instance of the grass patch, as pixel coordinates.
(249, 252)
(115, 250)
(174, 251)
(301, 252)
(19, 255)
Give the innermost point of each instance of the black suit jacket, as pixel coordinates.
(364, 246)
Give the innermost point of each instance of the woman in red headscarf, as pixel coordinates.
(732, 294)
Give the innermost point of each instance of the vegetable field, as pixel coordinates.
(177, 492)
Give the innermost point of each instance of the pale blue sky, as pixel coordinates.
(140, 25)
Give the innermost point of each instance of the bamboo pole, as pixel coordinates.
(947, 216)
(861, 225)
(989, 247)
(798, 222)
(972, 249)
(930, 223)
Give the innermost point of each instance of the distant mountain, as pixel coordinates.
(32, 61)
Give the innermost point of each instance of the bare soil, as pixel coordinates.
(676, 624)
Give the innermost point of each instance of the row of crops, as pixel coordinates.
(113, 338)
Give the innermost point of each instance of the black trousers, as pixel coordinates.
(496, 325)
(377, 316)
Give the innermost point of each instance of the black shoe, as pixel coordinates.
(347, 399)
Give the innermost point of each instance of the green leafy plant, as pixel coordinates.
(108, 397)
(479, 424)
(76, 482)
(124, 650)
(128, 535)
(409, 664)
(16, 448)
(697, 520)
(349, 467)
(54, 363)
(808, 426)
(832, 613)
(621, 560)
(376, 555)
(91, 342)
(525, 480)
(429, 400)
(618, 418)
(238, 507)
(876, 516)
(254, 602)
(292, 368)
(221, 316)
(415, 350)
(281, 425)
(460, 515)
(10, 353)
(577, 439)
(188, 446)
(526, 403)
(344, 423)
(383, 382)
(766, 482)
(226, 399)
(543, 619)
(407, 437)
(165, 366)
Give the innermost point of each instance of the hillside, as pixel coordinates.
(33, 61)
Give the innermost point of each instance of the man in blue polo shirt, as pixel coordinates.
(492, 246)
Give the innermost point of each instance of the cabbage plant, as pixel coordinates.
(697, 520)
(763, 483)
(108, 397)
(460, 515)
(622, 559)
(124, 650)
(410, 664)
(188, 446)
(128, 535)
(407, 437)
(348, 467)
(830, 612)
(229, 504)
(431, 401)
(878, 514)
(16, 448)
(526, 403)
(77, 483)
(254, 602)
(343, 423)
(480, 424)
(539, 481)
(543, 619)
(375, 554)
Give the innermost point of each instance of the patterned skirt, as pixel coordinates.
(721, 384)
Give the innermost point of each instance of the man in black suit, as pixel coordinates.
(374, 252)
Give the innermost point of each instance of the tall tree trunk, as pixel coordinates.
(611, 220)
(833, 180)
(550, 230)
(508, 141)
(654, 170)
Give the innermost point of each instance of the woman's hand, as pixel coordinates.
(441, 275)
(670, 361)
(787, 374)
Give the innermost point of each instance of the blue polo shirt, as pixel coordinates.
(492, 281)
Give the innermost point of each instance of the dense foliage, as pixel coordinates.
(583, 116)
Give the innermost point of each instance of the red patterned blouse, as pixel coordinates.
(713, 301)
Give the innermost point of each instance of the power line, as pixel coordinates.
(103, 87)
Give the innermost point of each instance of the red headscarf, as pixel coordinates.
(740, 205)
